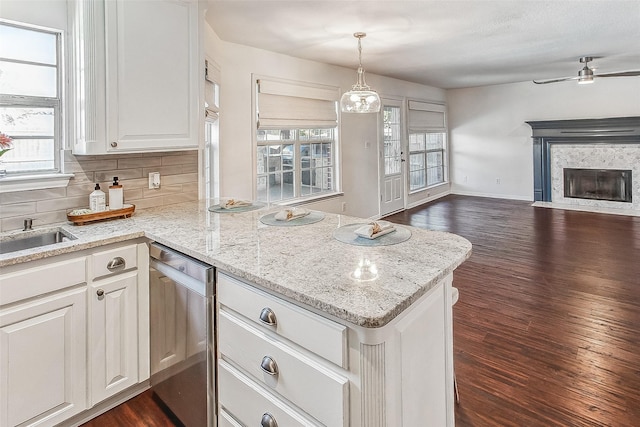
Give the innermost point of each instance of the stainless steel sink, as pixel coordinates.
(33, 239)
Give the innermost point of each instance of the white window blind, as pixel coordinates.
(211, 89)
(290, 105)
(426, 116)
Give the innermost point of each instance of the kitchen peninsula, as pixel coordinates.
(364, 350)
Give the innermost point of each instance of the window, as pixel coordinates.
(426, 159)
(30, 97)
(295, 140)
(427, 145)
(295, 163)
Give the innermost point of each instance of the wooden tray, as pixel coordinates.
(125, 212)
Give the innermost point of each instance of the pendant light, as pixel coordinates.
(361, 98)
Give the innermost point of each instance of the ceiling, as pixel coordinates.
(442, 43)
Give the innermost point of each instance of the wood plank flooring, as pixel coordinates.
(547, 327)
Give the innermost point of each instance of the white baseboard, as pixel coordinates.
(493, 195)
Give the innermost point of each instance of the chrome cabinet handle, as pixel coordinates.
(268, 317)
(268, 421)
(100, 293)
(118, 263)
(114, 144)
(269, 366)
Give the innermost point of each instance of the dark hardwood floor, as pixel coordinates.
(547, 327)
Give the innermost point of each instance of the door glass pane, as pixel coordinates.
(392, 141)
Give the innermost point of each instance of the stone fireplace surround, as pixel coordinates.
(612, 143)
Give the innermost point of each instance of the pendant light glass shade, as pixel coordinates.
(361, 98)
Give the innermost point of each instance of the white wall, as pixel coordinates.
(359, 171)
(490, 140)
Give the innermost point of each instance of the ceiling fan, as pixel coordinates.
(586, 74)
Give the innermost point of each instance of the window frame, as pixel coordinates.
(424, 118)
(425, 156)
(297, 168)
(49, 178)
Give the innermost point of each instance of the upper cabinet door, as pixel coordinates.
(150, 87)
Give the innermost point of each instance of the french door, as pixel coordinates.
(390, 147)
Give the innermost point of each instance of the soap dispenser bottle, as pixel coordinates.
(116, 199)
(97, 200)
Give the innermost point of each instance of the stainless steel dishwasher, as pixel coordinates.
(181, 294)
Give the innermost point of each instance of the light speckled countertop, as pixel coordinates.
(304, 263)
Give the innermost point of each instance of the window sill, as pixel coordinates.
(310, 199)
(432, 187)
(34, 182)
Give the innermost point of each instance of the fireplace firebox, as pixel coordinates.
(598, 184)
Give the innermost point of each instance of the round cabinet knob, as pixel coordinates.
(116, 264)
(114, 144)
(269, 366)
(268, 317)
(268, 421)
(100, 293)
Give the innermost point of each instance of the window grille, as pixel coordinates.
(31, 97)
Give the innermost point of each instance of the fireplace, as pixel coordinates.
(604, 154)
(598, 184)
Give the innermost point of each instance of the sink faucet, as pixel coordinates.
(27, 224)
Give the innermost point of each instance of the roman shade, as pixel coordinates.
(291, 105)
(211, 81)
(425, 116)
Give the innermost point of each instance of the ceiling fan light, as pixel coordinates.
(361, 98)
(585, 76)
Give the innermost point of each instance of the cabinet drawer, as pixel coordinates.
(114, 261)
(316, 389)
(36, 281)
(323, 337)
(243, 401)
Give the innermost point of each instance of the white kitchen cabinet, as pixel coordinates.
(113, 335)
(400, 374)
(73, 332)
(137, 72)
(42, 342)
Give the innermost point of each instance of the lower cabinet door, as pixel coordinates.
(43, 360)
(243, 402)
(113, 335)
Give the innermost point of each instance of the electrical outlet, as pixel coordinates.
(497, 180)
(154, 180)
(344, 206)
(465, 179)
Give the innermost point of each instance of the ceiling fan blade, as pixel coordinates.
(620, 74)
(544, 82)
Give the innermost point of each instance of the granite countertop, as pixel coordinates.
(303, 263)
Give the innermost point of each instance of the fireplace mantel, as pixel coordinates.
(615, 130)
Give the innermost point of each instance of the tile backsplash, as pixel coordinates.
(179, 183)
